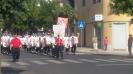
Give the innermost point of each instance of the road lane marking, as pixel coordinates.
(5, 64)
(72, 61)
(26, 59)
(22, 63)
(105, 60)
(114, 64)
(39, 62)
(122, 60)
(56, 62)
(91, 61)
(128, 60)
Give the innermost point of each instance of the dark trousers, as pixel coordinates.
(5, 50)
(15, 54)
(47, 49)
(59, 51)
(67, 50)
(130, 49)
(73, 49)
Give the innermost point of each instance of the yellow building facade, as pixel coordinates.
(116, 27)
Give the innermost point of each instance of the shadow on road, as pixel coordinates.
(10, 70)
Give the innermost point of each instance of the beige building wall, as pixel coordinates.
(109, 18)
(87, 13)
(131, 29)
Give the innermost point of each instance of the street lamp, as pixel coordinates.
(61, 3)
(38, 4)
(0, 38)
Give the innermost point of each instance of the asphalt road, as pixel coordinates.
(71, 64)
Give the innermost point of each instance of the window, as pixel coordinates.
(83, 2)
(72, 3)
(96, 1)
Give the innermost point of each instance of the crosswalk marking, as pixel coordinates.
(56, 62)
(64, 61)
(22, 63)
(39, 62)
(72, 61)
(114, 64)
(5, 64)
(80, 53)
(119, 60)
(106, 60)
(124, 60)
(128, 60)
(91, 61)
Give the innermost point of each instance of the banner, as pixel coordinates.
(59, 30)
(62, 21)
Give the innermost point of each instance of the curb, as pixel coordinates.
(101, 52)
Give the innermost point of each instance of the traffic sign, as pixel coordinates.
(80, 24)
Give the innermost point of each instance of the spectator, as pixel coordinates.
(130, 39)
(105, 43)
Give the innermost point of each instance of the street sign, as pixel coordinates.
(98, 17)
(81, 24)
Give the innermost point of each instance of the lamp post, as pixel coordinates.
(61, 3)
(0, 39)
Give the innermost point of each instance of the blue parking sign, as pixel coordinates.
(80, 24)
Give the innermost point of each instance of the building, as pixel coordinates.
(116, 27)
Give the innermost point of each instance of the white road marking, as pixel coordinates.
(72, 61)
(128, 60)
(114, 65)
(91, 61)
(5, 64)
(39, 62)
(27, 59)
(122, 60)
(106, 60)
(56, 61)
(22, 63)
(80, 53)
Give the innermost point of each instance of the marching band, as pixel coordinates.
(45, 44)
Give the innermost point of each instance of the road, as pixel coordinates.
(71, 64)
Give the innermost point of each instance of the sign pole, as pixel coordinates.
(81, 26)
(81, 38)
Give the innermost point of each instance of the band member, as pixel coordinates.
(5, 44)
(74, 42)
(15, 45)
(59, 47)
(67, 44)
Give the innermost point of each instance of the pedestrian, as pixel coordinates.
(59, 47)
(74, 42)
(105, 43)
(15, 46)
(95, 43)
(67, 44)
(130, 40)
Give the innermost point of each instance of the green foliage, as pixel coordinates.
(11, 12)
(27, 15)
(122, 6)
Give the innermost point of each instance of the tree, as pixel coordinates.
(122, 6)
(10, 14)
(26, 15)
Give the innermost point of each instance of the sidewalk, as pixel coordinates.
(101, 51)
